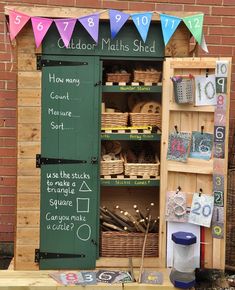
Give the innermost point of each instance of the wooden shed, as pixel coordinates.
(59, 144)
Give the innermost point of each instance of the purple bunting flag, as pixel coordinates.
(117, 20)
(40, 28)
(91, 24)
(65, 28)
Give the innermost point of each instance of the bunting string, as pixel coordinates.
(142, 21)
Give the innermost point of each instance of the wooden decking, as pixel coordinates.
(23, 280)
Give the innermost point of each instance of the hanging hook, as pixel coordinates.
(176, 129)
(200, 192)
(207, 72)
(202, 128)
(178, 189)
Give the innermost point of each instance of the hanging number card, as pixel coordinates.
(176, 206)
(205, 90)
(178, 146)
(201, 209)
(201, 145)
(218, 222)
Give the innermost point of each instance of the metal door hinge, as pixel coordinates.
(98, 83)
(94, 160)
(45, 255)
(51, 62)
(45, 160)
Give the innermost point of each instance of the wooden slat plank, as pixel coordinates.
(27, 62)
(24, 258)
(28, 219)
(189, 108)
(29, 115)
(29, 80)
(27, 167)
(28, 201)
(27, 236)
(28, 184)
(29, 132)
(28, 149)
(28, 93)
(191, 166)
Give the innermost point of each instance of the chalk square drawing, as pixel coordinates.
(178, 146)
(201, 145)
(201, 209)
(83, 204)
(205, 90)
(176, 206)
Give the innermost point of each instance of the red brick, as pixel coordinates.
(11, 85)
(2, 85)
(7, 190)
(7, 75)
(41, 2)
(228, 40)
(197, 8)
(229, 2)
(88, 3)
(8, 152)
(8, 94)
(225, 50)
(7, 113)
(7, 132)
(7, 142)
(7, 181)
(141, 6)
(8, 161)
(7, 219)
(6, 228)
(209, 2)
(8, 200)
(123, 5)
(5, 56)
(7, 237)
(7, 103)
(176, 1)
(7, 209)
(7, 171)
(168, 7)
(212, 39)
(212, 20)
(230, 11)
(221, 30)
(228, 21)
(61, 2)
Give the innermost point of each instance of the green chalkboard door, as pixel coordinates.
(69, 162)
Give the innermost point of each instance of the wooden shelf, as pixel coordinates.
(191, 108)
(131, 136)
(197, 166)
(131, 89)
(130, 182)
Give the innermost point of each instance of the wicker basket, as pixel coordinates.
(111, 120)
(118, 77)
(147, 76)
(142, 169)
(145, 119)
(184, 91)
(120, 244)
(110, 167)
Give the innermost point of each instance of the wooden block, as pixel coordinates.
(28, 184)
(28, 218)
(28, 149)
(28, 201)
(29, 80)
(27, 62)
(135, 84)
(27, 236)
(29, 132)
(109, 83)
(27, 167)
(24, 257)
(29, 115)
(122, 83)
(120, 176)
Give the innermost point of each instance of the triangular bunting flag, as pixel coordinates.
(117, 20)
(40, 28)
(91, 24)
(203, 44)
(195, 25)
(17, 22)
(169, 24)
(65, 28)
(142, 23)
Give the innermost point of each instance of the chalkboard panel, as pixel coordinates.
(69, 192)
(127, 43)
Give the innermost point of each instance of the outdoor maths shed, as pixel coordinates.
(95, 172)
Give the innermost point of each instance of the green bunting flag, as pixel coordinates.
(195, 25)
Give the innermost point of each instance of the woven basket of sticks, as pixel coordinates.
(121, 244)
(110, 167)
(147, 76)
(112, 120)
(145, 119)
(142, 169)
(118, 77)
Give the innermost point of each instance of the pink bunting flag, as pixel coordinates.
(91, 24)
(65, 28)
(17, 22)
(40, 28)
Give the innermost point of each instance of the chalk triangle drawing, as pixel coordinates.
(84, 187)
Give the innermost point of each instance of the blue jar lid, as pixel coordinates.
(184, 238)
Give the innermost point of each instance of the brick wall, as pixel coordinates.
(220, 36)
